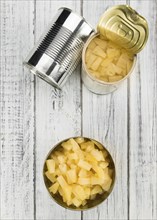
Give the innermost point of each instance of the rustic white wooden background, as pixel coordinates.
(34, 117)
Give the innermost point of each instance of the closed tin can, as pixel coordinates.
(125, 28)
(59, 50)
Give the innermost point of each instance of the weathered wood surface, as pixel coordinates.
(34, 117)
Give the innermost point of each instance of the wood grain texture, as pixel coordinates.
(143, 123)
(107, 121)
(17, 103)
(58, 116)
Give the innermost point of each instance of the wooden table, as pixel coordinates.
(35, 117)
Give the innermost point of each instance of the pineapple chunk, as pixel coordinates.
(91, 159)
(63, 168)
(74, 144)
(79, 192)
(50, 176)
(60, 191)
(87, 144)
(98, 145)
(71, 176)
(67, 145)
(121, 62)
(106, 62)
(76, 202)
(61, 159)
(113, 53)
(103, 164)
(73, 156)
(83, 173)
(106, 186)
(80, 140)
(96, 63)
(54, 188)
(99, 171)
(115, 78)
(92, 45)
(85, 165)
(57, 172)
(101, 43)
(97, 155)
(96, 189)
(96, 181)
(104, 78)
(90, 60)
(62, 182)
(99, 52)
(50, 165)
(83, 181)
(73, 166)
(55, 158)
(67, 190)
(87, 192)
(117, 69)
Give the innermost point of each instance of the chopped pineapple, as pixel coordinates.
(96, 181)
(83, 173)
(99, 52)
(97, 154)
(71, 176)
(101, 43)
(87, 144)
(103, 164)
(54, 188)
(63, 168)
(50, 176)
(73, 156)
(76, 202)
(96, 189)
(105, 60)
(90, 60)
(79, 192)
(67, 145)
(79, 171)
(106, 186)
(99, 171)
(80, 140)
(50, 165)
(96, 63)
(61, 159)
(92, 45)
(115, 78)
(83, 181)
(85, 165)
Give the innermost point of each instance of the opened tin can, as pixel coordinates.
(59, 50)
(124, 28)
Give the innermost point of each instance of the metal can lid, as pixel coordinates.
(124, 26)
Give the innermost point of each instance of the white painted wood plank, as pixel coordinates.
(143, 123)
(105, 118)
(58, 116)
(17, 103)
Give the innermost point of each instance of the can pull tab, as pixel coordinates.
(124, 31)
(125, 27)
